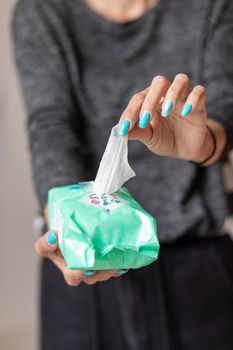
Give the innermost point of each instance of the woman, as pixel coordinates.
(80, 63)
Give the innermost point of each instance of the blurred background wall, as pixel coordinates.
(18, 262)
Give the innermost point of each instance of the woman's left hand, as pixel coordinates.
(172, 119)
(47, 247)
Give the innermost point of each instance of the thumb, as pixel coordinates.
(46, 244)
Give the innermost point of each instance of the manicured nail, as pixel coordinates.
(186, 109)
(121, 271)
(88, 273)
(144, 120)
(52, 238)
(75, 187)
(124, 127)
(166, 109)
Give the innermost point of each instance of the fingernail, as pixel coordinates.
(144, 119)
(124, 127)
(166, 109)
(186, 109)
(121, 271)
(52, 238)
(75, 187)
(88, 273)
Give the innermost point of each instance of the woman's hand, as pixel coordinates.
(46, 246)
(173, 120)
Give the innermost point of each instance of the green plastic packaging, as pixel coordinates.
(102, 232)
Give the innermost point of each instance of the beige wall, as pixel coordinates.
(18, 263)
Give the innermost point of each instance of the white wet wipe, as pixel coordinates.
(114, 169)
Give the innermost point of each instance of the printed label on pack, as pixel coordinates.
(104, 201)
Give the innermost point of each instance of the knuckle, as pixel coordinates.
(174, 90)
(149, 101)
(105, 277)
(199, 90)
(159, 79)
(73, 283)
(182, 78)
(38, 249)
(90, 282)
(70, 278)
(128, 112)
(67, 275)
(138, 96)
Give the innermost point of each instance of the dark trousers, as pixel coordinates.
(182, 302)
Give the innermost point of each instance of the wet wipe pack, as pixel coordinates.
(100, 225)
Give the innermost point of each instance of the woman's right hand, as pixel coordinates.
(171, 120)
(46, 246)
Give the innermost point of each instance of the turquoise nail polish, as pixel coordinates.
(166, 109)
(124, 127)
(52, 238)
(144, 120)
(186, 109)
(75, 187)
(121, 271)
(89, 273)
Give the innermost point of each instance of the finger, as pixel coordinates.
(100, 276)
(104, 275)
(46, 244)
(74, 277)
(195, 101)
(143, 134)
(130, 115)
(178, 91)
(59, 262)
(158, 89)
(120, 272)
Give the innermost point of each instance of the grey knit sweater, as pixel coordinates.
(78, 71)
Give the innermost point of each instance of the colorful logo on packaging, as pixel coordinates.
(104, 201)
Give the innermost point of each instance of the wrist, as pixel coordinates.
(213, 145)
(208, 149)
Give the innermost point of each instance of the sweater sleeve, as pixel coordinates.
(218, 70)
(56, 150)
